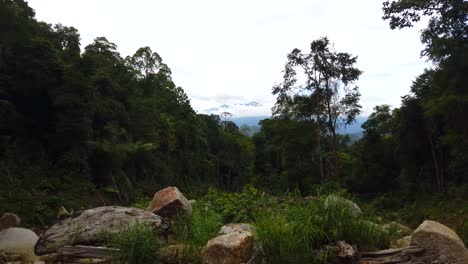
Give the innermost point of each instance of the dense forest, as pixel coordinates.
(81, 126)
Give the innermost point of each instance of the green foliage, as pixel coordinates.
(136, 244)
(236, 207)
(328, 98)
(194, 230)
(72, 121)
(289, 233)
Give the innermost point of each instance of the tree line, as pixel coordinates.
(75, 122)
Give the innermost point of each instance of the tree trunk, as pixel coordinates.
(319, 151)
(436, 164)
(332, 128)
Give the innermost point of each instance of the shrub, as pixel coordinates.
(236, 207)
(289, 233)
(137, 244)
(195, 230)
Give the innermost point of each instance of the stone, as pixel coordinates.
(229, 228)
(439, 239)
(333, 201)
(168, 202)
(92, 226)
(8, 220)
(19, 241)
(232, 248)
(346, 253)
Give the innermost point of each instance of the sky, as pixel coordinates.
(233, 52)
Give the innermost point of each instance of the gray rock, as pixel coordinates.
(440, 240)
(92, 226)
(19, 241)
(8, 220)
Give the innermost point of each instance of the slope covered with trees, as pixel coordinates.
(75, 121)
(85, 126)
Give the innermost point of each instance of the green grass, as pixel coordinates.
(137, 244)
(289, 233)
(195, 230)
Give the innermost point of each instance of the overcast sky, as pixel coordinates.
(228, 52)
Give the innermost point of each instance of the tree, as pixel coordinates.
(439, 97)
(447, 31)
(329, 96)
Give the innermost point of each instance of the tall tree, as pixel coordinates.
(329, 93)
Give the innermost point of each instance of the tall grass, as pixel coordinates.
(194, 230)
(137, 244)
(290, 233)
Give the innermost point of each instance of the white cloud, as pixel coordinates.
(229, 51)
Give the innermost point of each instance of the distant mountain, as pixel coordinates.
(249, 130)
(253, 103)
(241, 109)
(248, 120)
(354, 128)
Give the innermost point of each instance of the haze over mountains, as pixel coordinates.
(251, 113)
(242, 109)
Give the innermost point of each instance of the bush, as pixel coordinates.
(236, 207)
(137, 244)
(289, 233)
(195, 230)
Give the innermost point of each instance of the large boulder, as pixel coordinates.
(168, 202)
(19, 241)
(8, 220)
(231, 248)
(92, 226)
(439, 239)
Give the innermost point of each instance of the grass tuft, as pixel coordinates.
(137, 244)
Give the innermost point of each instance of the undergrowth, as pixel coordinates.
(137, 244)
(289, 232)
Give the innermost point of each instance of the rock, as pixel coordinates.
(346, 253)
(229, 228)
(19, 241)
(92, 226)
(168, 202)
(8, 220)
(439, 239)
(232, 248)
(339, 203)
